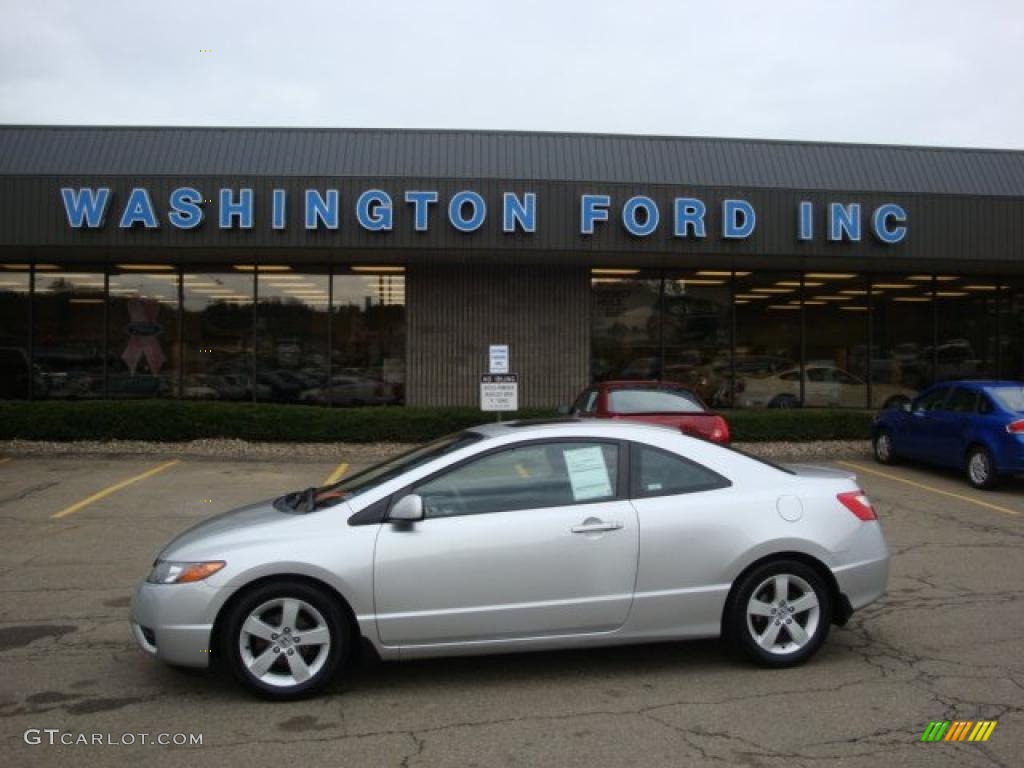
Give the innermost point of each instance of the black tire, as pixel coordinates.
(784, 401)
(980, 468)
(787, 649)
(330, 614)
(882, 448)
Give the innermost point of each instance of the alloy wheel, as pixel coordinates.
(284, 642)
(783, 614)
(883, 448)
(978, 468)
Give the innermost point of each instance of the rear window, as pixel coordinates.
(1011, 398)
(653, 401)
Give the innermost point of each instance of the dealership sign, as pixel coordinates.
(466, 211)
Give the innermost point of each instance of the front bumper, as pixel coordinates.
(174, 622)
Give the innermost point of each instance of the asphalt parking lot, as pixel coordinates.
(947, 643)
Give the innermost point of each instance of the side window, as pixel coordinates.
(930, 401)
(985, 406)
(961, 401)
(659, 473)
(843, 377)
(586, 403)
(791, 376)
(531, 476)
(817, 374)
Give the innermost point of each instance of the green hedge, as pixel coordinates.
(170, 421)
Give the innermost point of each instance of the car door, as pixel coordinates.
(851, 392)
(820, 389)
(531, 540)
(688, 534)
(949, 425)
(915, 440)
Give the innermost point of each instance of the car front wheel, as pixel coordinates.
(884, 453)
(285, 640)
(780, 613)
(981, 470)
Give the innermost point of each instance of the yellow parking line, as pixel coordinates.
(112, 488)
(336, 474)
(960, 496)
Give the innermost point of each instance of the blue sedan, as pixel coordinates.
(976, 426)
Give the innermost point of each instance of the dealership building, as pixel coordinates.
(365, 267)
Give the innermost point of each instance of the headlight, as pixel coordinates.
(167, 572)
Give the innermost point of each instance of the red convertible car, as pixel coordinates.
(656, 402)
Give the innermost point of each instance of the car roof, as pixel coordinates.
(566, 426)
(978, 383)
(617, 383)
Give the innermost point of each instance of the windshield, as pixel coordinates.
(653, 401)
(370, 478)
(1011, 398)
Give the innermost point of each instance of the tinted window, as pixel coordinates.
(528, 477)
(843, 377)
(962, 401)
(653, 401)
(931, 400)
(660, 473)
(817, 374)
(361, 482)
(586, 403)
(1011, 398)
(791, 376)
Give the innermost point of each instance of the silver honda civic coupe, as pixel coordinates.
(514, 537)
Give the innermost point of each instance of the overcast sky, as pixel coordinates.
(890, 71)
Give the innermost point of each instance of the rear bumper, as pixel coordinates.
(168, 621)
(863, 582)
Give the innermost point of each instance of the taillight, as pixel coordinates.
(1016, 427)
(858, 503)
(720, 432)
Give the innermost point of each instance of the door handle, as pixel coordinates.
(596, 527)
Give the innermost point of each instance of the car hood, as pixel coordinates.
(216, 536)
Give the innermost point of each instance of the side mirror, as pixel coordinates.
(407, 509)
(564, 410)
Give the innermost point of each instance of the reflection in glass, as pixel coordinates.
(291, 336)
(697, 328)
(15, 368)
(367, 340)
(968, 329)
(68, 345)
(902, 329)
(625, 325)
(217, 346)
(142, 360)
(767, 341)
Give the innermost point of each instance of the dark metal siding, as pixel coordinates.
(454, 313)
(48, 150)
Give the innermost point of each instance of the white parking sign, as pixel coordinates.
(499, 392)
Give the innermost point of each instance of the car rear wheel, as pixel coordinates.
(780, 613)
(884, 453)
(981, 470)
(784, 401)
(285, 640)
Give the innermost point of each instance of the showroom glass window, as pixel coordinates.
(625, 318)
(143, 353)
(68, 346)
(1012, 333)
(968, 344)
(696, 330)
(291, 334)
(15, 368)
(217, 334)
(902, 332)
(367, 337)
(836, 340)
(767, 362)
